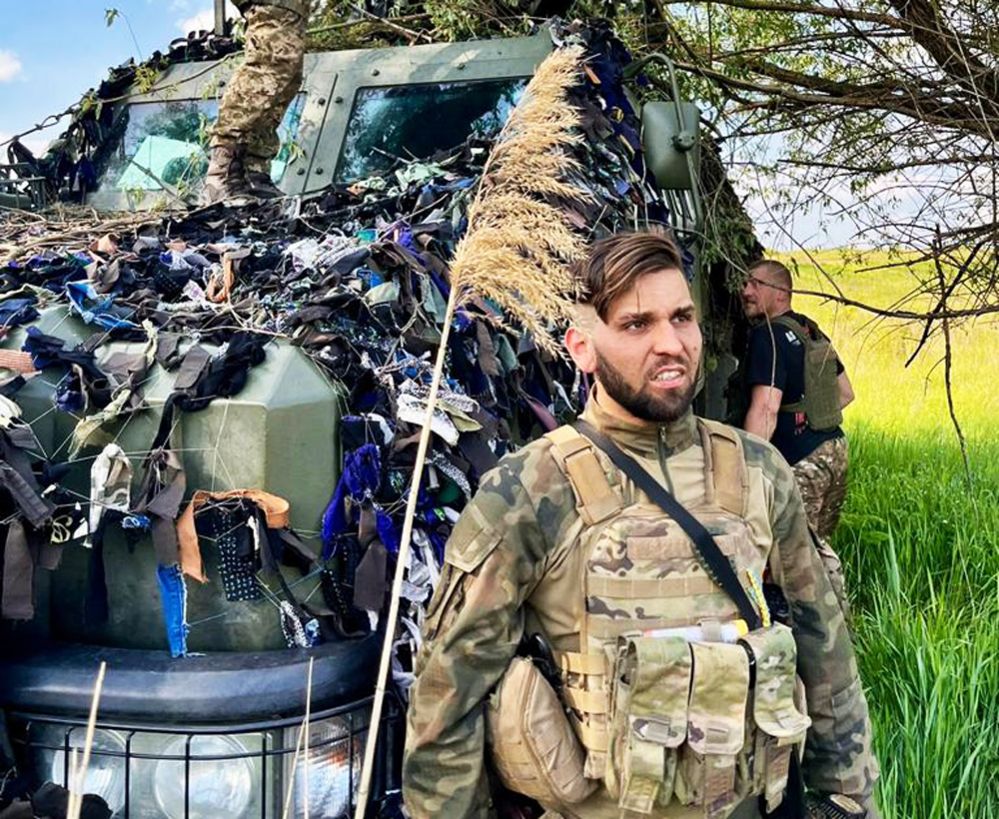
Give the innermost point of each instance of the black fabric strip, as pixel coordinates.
(715, 563)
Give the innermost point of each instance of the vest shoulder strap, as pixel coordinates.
(727, 469)
(793, 325)
(595, 497)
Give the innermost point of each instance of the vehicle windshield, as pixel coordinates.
(165, 145)
(396, 123)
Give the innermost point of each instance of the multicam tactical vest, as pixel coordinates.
(704, 722)
(820, 402)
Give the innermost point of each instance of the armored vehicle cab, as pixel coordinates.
(213, 734)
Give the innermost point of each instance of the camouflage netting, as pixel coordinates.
(357, 279)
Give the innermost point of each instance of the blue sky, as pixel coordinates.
(52, 51)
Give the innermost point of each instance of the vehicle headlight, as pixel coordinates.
(334, 766)
(106, 769)
(219, 788)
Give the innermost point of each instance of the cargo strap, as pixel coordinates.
(597, 500)
(711, 557)
(725, 465)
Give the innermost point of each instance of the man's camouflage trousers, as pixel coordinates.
(262, 87)
(821, 478)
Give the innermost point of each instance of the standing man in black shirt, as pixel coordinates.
(797, 388)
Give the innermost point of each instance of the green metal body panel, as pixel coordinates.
(279, 434)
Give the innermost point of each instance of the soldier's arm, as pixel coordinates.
(764, 403)
(766, 376)
(474, 624)
(838, 752)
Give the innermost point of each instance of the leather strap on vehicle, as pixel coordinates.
(714, 562)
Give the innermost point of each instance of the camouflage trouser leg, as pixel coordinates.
(261, 88)
(821, 479)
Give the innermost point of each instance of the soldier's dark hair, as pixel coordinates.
(778, 273)
(614, 264)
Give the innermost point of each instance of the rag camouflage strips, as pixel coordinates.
(668, 728)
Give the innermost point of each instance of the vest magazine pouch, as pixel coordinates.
(648, 720)
(534, 748)
(780, 724)
(716, 727)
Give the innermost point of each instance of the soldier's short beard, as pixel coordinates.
(660, 409)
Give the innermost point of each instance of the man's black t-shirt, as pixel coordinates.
(784, 370)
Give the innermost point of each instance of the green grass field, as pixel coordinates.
(921, 547)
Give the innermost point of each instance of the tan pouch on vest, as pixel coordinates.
(780, 724)
(534, 748)
(716, 728)
(648, 721)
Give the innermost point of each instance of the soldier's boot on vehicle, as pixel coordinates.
(258, 177)
(226, 177)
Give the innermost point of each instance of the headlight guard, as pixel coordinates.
(222, 772)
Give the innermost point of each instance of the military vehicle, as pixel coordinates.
(215, 733)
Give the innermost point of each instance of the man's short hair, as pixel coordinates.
(614, 264)
(778, 273)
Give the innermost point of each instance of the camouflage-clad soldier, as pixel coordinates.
(244, 137)
(559, 544)
(781, 410)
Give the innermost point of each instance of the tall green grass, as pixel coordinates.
(921, 550)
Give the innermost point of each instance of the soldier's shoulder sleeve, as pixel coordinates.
(474, 623)
(838, 754)
(525, 500)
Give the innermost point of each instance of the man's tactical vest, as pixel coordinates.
(820, 403)
(662, 717)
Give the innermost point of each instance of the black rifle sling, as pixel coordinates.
(714, 562)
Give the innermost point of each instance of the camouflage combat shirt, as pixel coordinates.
(511, 564)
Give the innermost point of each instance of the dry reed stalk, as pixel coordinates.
(516, 252)
(303, 738)
(76, 791)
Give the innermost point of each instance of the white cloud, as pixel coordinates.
(10, 65)
(205, 20)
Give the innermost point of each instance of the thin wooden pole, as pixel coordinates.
(305, 725)
(402, 561)
(302, 732)
(76, 790)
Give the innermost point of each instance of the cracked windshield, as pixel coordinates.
(389, 125)
(165, 145)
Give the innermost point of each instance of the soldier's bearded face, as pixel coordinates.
(646, 354)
